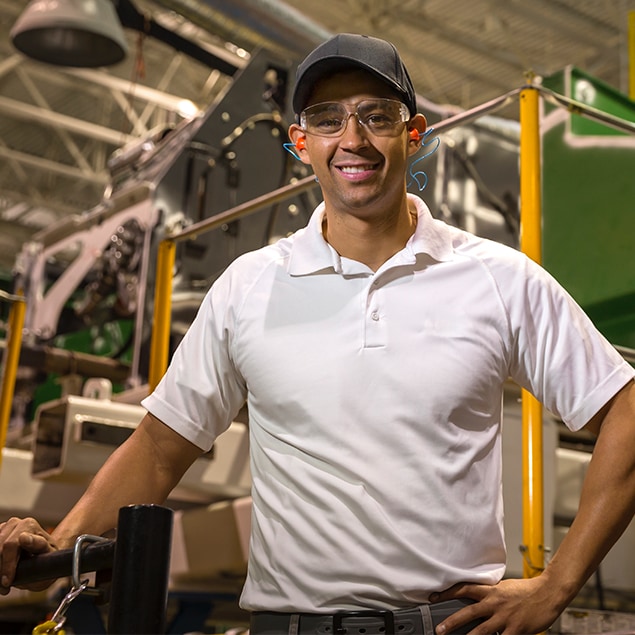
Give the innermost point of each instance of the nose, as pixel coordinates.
(354, 133)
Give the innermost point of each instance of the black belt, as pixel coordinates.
(420, 620)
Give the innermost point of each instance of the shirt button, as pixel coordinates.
(374, 316)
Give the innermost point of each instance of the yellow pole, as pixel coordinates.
(160, 342)
(11, 360)
(530, 185)
(631, 54)
(530, 244)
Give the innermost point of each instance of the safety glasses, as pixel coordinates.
(382, 117)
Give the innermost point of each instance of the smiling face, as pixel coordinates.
(360, 173)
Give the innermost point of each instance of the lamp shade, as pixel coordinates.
(81, 33)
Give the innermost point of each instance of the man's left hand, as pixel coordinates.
(508, 608)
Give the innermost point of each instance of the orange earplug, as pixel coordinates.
(414, 134)
(300, 144)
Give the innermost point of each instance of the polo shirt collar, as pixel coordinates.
(310, 253)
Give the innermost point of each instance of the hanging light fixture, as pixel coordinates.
(80, 33)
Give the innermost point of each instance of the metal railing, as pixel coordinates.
(139, 558)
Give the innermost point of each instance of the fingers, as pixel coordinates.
(468, 620)
(462, 590)
(511, 606)
(35, 543)
(465, 615)
(9, 549)
(17, 536)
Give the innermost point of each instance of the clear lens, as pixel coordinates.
(382, 117)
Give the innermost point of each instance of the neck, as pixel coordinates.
(372, 240)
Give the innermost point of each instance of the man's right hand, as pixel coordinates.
(19, 535)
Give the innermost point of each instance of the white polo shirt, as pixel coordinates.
(375, 404)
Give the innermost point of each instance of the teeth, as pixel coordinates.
(353, 169)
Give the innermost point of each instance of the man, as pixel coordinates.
(372, 348)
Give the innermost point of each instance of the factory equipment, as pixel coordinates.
(75, 435)
(89, 281)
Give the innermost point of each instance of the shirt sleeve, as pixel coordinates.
(557, 353)
(201, 391)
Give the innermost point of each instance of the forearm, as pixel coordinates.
(112, 488)
(606, 505)
(141, 471)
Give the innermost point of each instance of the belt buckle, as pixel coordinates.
(387, 617)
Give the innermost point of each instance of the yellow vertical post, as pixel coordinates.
(531, 244)
(160, 342)
(631, 54)
(11, 360)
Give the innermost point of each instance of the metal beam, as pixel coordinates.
(7, 65)
(69, 171)
(253, 23)
(26, 112)
(34, 199)
(67, 139)
(139, 92)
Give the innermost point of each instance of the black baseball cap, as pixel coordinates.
(349, 50)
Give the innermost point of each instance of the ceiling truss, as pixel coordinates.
(58, 127)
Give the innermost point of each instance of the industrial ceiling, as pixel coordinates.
(59, 126)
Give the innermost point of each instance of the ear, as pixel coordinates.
(298, 138)
(416, 127)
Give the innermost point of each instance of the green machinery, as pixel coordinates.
(589, 203)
